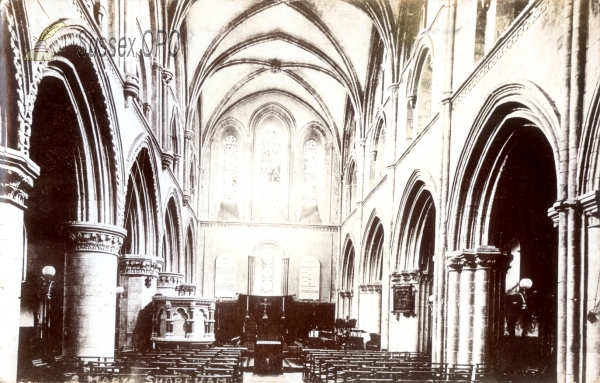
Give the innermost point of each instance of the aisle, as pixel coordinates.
(287, 377)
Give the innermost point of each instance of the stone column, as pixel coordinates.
(16, 177)
(211, 321)
(137, 275)
(475, 292)
(285, 270)
(590, 203)
(491, 266)
(169, 320)
(250, 274)
(90, 283)
(465, 312)
(455, 265)
(191, 321)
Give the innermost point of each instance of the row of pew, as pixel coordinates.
(218, 364)
(357, 366)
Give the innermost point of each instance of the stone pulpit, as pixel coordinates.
(180, 318)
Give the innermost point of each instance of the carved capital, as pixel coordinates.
(176, 158)
(184, 289)
(346, 293)
(169, 280)
(16, 177)
(407, 276)
(187, 198)
(372, 287)
(131, 88)
(590, 204)
(140, 265)
(412, 101)
(455, 261)
(95, 237)
(483, 257)
(167, 160)
(393, 90)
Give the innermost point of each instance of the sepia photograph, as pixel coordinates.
(299, 191)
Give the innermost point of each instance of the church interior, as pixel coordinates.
(300, 191)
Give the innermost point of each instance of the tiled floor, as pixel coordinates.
(294, 377)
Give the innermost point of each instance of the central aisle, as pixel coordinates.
(287, 377)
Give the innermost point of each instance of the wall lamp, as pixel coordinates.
(524, 285)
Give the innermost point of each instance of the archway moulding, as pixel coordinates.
(521, 100)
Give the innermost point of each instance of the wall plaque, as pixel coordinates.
(310, 278)
(404, 299)
(225, 276)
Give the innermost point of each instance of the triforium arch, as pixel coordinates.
(413, 266)
(351, 185)
(420, 94)
(347, 279)
(502, 225)
(75, 140)
(377, 150)
(371, 272)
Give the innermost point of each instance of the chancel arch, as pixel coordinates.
(502, 211)
(413, 270)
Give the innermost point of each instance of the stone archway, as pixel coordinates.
(504, 203)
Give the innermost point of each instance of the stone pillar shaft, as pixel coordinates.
(284, 275)
(452, 311)
(475, 290)
(250, 274)
(16, 177)
(11, 254)
(481, 314)
(465, 312)
(90, 288)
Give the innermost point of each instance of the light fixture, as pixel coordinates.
(430, 301)
(45, 295)
(119, 290)
(48, 271)
(525, 284)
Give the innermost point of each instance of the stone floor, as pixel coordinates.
(293, 377)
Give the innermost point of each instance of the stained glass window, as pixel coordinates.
(230, 169)
(310, 173)
(270, 166)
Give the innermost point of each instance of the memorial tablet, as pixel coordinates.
(310, 278)
(225, 276)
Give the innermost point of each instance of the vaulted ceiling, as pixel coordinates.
(318, 51)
